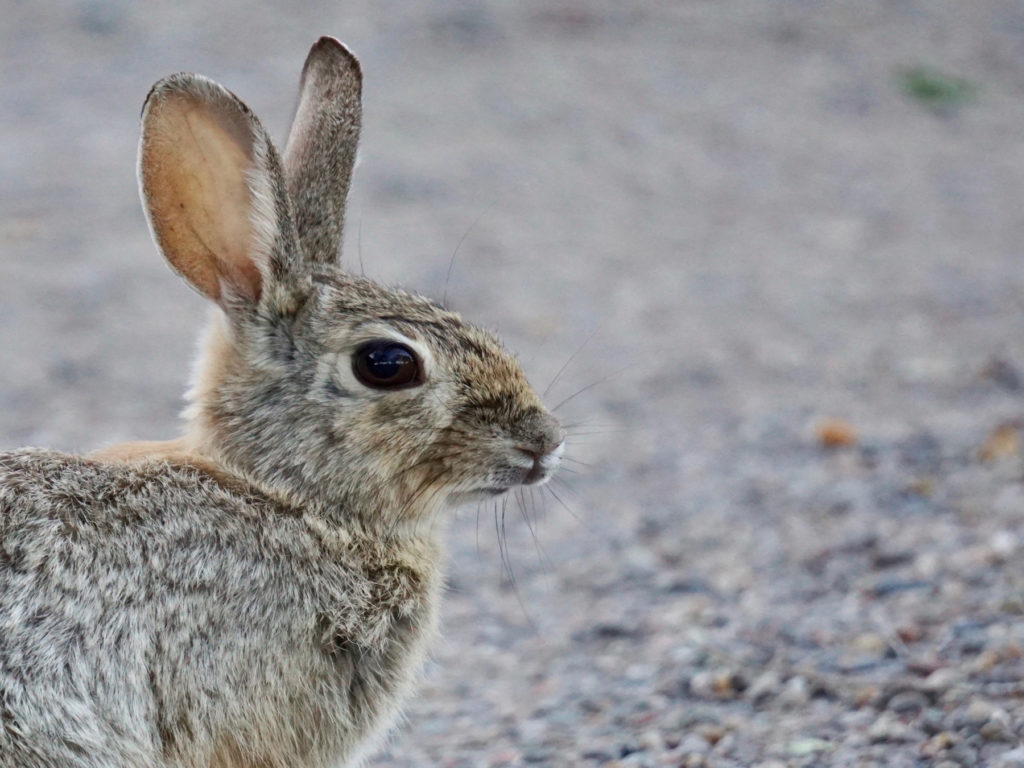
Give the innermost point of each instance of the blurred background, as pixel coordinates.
(772, 253)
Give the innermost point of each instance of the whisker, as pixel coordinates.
(576, 461)
(567, 362)
(508, 564)
(479, 507)
(451, 262)
(359, 245)
(541, 554)
(564, 505)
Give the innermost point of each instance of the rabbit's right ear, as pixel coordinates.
(213, 191)
(321, 148)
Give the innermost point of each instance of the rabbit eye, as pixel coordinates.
(386, 365)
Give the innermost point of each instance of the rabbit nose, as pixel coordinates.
(544, 462)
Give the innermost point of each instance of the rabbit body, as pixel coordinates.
(155, 615)
(258, 593)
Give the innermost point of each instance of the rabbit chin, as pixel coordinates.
(490, 492)
(478, 494)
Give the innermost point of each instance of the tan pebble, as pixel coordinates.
(869, 642)
(985, 661)
(941, 679)
(1002, 442)
(711, 733)
(865, 695)
(909, 633)
(979, 710)
(836, 433)
(652, 741)
(937, 743)
(995, 731)
(922, 486)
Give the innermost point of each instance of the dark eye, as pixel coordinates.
(386, 365)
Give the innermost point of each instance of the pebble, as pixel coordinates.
(888, 729)
(977, 712)
(796, 692)
(938, 743)
(652, 741)
(1012, 759)
(716, 684)
(692, 744)
(908, 703)
(764, 686)
(941, 680)
(996, 731)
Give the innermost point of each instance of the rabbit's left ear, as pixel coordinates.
(321, 148)
(213, 191)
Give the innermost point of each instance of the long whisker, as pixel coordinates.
(451, 262)
(569, 361)
(359, 245)
(508, 565)
(564, 505)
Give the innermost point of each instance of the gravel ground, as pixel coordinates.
(730, 222)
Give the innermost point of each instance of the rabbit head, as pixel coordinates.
(319, 386)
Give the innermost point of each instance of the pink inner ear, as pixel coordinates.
(194, 160)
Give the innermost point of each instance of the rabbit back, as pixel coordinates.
(157, 615)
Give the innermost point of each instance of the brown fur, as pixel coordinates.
(260, 592)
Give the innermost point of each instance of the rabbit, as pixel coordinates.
(260, 592)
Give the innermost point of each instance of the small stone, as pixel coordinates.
(985, 660)
(692, 744)
(652, 741)
(932, 721)
(887, 729)
(941, 680)
(796, 692)
(804, 747)
(765, 686)
(1004, 544)
(836, 433)
(1012, 759)
(996, 731)
(869, 642)
(1002, 442)
(892, 558)
(938, 743)
(908, 703)
(1002, 373)
(716, 684)
(978, 712)
(909, 633)
(711, 733)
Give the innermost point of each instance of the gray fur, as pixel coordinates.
(261, 591)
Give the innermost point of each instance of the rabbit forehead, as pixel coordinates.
(352, 303)
(345, 295)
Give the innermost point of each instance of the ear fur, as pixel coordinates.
(321, 148)
(213, 190)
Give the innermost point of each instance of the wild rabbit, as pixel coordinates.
(259, 592)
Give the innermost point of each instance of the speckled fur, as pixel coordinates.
(260, 592)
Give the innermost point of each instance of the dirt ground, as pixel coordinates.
(729, 221)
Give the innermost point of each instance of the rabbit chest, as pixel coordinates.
(195, 624)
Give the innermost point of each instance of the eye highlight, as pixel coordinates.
(386, 364)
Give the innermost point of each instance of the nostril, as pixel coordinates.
(532, 453)
(542, 464)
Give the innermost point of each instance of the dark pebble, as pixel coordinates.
(891, 586)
